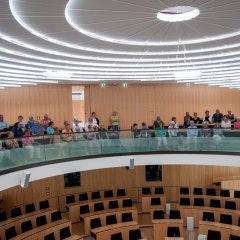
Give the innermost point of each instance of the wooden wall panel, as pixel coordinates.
(174, 176)
(139, 103)
(56, 100)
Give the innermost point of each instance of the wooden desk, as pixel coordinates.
(104, 233)
(146, 202)
(197, 213)
(74, 237)
(74, 208)
(160, 227)
(102, 216)
(225, 229)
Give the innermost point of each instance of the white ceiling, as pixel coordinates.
(118, 40)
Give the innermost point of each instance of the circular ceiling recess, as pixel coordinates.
(178, 14)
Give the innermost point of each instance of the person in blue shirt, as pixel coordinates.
(50, 129)
(31, 122)
(37, 129)
(3, 125)
(17, 130)
(192, 130)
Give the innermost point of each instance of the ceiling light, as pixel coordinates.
(57, 74)
(178, 14)
(187, 74)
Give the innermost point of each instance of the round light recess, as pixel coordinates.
(178, 14)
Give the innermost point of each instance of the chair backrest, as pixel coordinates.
(43, 204)
(84, 209)
(50, 236)
(127, 217)
(111, 219)
(233, 237)
(213, 235)
(184, 190)
(95, 223)
(155, 201)
(208, 216)
(146, 190)
(56, 216)
(117, 236)
(215, 203)
(198, 202)
(159, 190)
(197, 191)
(98, 206)
(41, 220)
(127, 203)
(10, 233)
(83, 197)
(108, 193)
(113, 204)
(121, 192)
(135, 234)
(226, 219)
(158, 214)
(15, 212)
(96, 195)
(173, 232)
(230, 205)
(30, 208)
(185, 201)
(211, 192)
(70, 199)
(224, 193)
(65, 233)
(175, 214)
(3, 216)
(26, 226)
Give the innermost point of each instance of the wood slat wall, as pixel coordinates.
(142, 103)
(56, 100)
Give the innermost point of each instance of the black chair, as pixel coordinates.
(117, 236)
(173, 232)
(224, 193)
(175, 214)
(113, 204)
(198, 202)
(10, 233)
(95, 223)
(43, 204)
(121, 192)
(159, 190)
(84, 209)
(211, 192)
(135, 234)
(233, 237)
(98, 206)
(226, 219)
(215, 203)
(208, 216)
(230, 205)
(158, 214)
(15, 212)
(146, 190)
(197, 191)
(30, 208)
(127, 217)
(111, 219)
(83, 197)
(70, 199)
(155, 201)
(213, 235)
(65, 233)
(3, 216)
(185, 201)
(50, 236)
(26, 226)
(56, 216)
(184, 190)
(96, 195)
(108, 193)
(236, 194)
(40, 221)
(127, 203)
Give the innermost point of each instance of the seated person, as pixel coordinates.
(90, 122)
(76, 124)
(237, 123)
(37, 129)
(17, 130)
(144, 131)
(192, 130)
(176, 125)
(188, 116)
(80, 136)
(27, 139)
(67, 135)
(50, 129)
(45, 121)
(186, 122)
(231, 116)
(11, 142)
(171, 131)
(217, 117)
(31, 122)
(160, 134)
(207, 117)
(136, 131)
(195, 118)
(3, 124)
(20, 120)
(206, 131)
(217, 133)
(96, 121)
(91, 135)
(157, 123)
(226, 123)
(112, 134)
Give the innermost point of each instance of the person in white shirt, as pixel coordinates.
(172, 132)
(176, 125)
(76, 125)
(226, 123)
(90, 122)
(207, 117)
